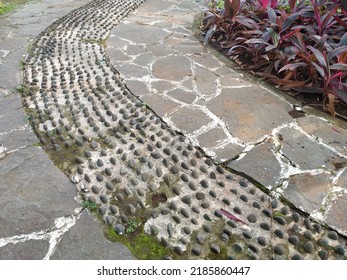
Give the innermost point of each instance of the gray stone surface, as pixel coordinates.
(306, 153)
(262, 164)
(34, 192)
(30, 201)
(85, 241)
(174, 68)
(308, 191)
(190, 120)
(161, 61)
(245, 120)
(332, 135)
(27, 250)
(336, 216)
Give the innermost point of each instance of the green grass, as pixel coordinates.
(142, 245)
(5, 8)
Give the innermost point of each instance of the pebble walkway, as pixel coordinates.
(134, 166)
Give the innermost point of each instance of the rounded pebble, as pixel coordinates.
(119, 228)
(308, 234)
(323, 242)
(339, 250)
(187, 230)
(279, 233)
(279, 249)
(262, 240)
(186, 199)
(200, 238)
(95, 189)
(323, 254)
(309, 247)
(265, 226)
(196, 250)
(293, 239)
(215, 248)
(200, 196)
(110, 220)
(333, 235)
(252, 218)
(243, 183)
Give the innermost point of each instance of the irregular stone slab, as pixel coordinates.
(160, 50)
(159, 104)
(205, 81)
(211, 137)
(261, 164)
(33, 193)
(18, 139)
(28, 250)
(332, 135)
(182, 95)
(224, 153)
(139, 87)
(342, 182)
(247, 122)
(172, 68)
(9, 120)
(9, 70)
(336, 216)
(140, 34)
(85, 241)
(117, 56)
(181, 44)
(209, 61)
(189, 120)
(133, 70)
(308, 191)
(306, 153)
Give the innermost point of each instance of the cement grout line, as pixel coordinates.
(53, 235)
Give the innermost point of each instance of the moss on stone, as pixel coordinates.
(142, 245)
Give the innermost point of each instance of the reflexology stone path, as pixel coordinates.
(134, 166)
(248, 126)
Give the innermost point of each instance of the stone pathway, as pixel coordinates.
(234, 119)
(40, 217)
(136, 168)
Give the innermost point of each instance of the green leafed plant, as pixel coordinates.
(300, 46)
(89, 205)
(132, 226)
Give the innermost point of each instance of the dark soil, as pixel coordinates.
(158, 198)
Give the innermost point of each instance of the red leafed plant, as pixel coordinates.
(300, 46)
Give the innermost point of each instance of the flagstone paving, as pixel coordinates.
(151, 127)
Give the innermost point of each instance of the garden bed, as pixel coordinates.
(300, 46)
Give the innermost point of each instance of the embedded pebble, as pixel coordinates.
(200, 239)
(95, 189)
(196, 250)
(279, 233)
(340, 250)
(200, 196)
(293, 239)
(252, 218)
(262, 240)
(332, 235)
(309, 247)
(186, 199)
(323, 254)
(279, 249)
(323, 242)
(215, 248)
(119, 228)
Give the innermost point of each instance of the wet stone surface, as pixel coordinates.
(75, 98)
